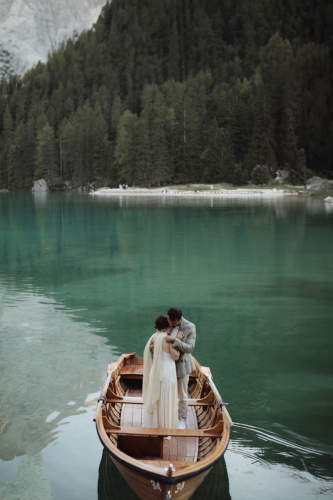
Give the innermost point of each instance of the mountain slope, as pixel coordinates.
(30, 29)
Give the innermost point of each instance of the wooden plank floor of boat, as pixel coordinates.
(177, 450)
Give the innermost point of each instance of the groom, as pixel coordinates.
(185, 364)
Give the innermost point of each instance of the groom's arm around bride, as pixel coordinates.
(185, 364)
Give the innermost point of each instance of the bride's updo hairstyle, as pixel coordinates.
(161, 322)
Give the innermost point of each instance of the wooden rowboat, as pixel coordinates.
(153, 466)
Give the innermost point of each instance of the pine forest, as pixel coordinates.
(176, 91)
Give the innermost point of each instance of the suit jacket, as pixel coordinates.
(185, 364)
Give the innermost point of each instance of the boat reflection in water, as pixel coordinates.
(112, 486)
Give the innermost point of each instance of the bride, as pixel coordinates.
(159, 392)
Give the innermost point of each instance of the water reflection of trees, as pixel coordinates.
(50, 364)
(55, 241)
(111, 484)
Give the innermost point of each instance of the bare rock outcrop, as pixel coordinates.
(30, 29)
(318, 184)
(281, 176)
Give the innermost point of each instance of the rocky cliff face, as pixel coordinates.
(29, 29)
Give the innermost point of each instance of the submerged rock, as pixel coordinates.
(317, 183)
(40, 185)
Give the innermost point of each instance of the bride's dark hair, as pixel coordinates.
(161, 322)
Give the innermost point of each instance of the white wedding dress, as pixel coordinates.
(166, 414)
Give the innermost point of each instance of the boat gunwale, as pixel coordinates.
(155, 472)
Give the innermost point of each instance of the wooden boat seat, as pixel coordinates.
(113, 398)
(215, 432)
(136, 372)
(176, 465)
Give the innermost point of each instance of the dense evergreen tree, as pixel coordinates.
(260, 175)
(5, 143)
(46, 162)
(261, 137)
(176, 91)
(154, 161)
(240, 176)
(218, 155)
(127, 148)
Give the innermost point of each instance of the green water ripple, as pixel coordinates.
(82, 280)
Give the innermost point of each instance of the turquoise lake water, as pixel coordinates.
(82, 280)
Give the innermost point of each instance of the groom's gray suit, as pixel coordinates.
(185, 364)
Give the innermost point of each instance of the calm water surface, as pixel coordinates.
(82, 279)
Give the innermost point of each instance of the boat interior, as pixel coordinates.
(123, 412)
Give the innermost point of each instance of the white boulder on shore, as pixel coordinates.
(329, 199)
(317, 184)
(40, 186)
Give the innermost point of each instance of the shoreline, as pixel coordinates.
(216, 193)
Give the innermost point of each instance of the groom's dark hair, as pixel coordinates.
(175, 313)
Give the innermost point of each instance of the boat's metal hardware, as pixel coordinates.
(170, 470)
(223, 406)
(221, 403)
(101, 403)
(101, 400)
(168, 497)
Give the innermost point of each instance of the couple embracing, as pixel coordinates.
(165, 380)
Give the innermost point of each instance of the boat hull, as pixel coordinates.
(151, 489)
(142, 456)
